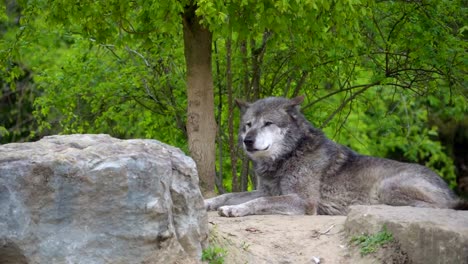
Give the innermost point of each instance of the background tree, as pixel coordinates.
(201, 125)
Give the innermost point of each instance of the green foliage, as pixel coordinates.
(17, 90)
(3, 131)
(381, 103)
(117, 90)
(374, 73)
(214, 255)
(131, 88)
(371, 243)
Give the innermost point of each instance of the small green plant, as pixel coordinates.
(214, 255)
(245, 246)
(370, 243)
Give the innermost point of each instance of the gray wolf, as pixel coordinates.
(301, 171)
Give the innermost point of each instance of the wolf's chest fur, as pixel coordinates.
(292, 172)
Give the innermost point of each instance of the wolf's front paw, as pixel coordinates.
(233, 210)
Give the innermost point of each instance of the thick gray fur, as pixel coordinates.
(300, 171)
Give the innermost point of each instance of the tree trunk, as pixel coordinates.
(201, 125)
(231, 134)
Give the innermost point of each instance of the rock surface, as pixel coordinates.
(96, 199)
(425, 235)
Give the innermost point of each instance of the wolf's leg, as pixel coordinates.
(232, 199)
(405, 196)
(406, 192)
(290, 204)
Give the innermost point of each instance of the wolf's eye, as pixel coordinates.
(268, 123)
(248, 125)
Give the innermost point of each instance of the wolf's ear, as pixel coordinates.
(242, 105)
(292, 108)
(294, 103)
(297, 100)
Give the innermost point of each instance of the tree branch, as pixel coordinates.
(344, 103)
(337, 92)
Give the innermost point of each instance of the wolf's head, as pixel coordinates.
(270, 127)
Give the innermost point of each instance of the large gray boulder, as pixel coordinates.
(96, 199)
(425, 235)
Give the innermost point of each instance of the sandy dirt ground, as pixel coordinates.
(283, 239)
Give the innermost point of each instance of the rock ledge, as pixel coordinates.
(426, 235)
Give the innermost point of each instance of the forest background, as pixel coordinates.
(386, 78)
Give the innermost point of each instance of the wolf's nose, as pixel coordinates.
(249, 142)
